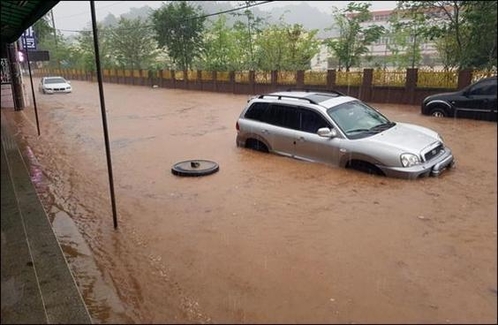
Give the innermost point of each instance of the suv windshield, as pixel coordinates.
(55, 81)
(358, 120)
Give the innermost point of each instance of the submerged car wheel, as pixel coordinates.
(438, 112)
(364, 167)
(256, 145)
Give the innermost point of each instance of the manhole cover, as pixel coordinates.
(196, 167)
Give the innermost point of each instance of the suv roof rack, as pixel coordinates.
(287, 96)
(321, 91)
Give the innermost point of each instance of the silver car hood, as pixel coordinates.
(406, 137)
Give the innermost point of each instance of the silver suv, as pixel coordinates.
(332, 128)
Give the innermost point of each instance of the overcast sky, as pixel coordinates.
(75, 15)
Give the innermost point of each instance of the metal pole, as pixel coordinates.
(15, 73)
(102, 108)
(55, 39)
(32, 87)
(11, 57)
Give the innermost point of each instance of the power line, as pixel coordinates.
(190, 18)
(231, 10)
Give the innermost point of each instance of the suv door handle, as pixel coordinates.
(301, 139)
(265, 131)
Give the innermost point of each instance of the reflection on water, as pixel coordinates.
(267, 239)
(36, 173)
(105, 304)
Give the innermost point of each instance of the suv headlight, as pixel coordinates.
(409, 159)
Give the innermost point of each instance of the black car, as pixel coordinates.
(476, 101)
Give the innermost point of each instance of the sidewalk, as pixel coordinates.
(37, 285)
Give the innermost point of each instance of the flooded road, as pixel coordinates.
(267, 239)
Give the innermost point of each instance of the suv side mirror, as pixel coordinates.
(327, 133)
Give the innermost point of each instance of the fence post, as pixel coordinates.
(331, 77)
(300, 79)
(252, 82)
(410, 86)
(365, 92)
(199, 80)
(232, 80)
(186, 82)
(464, 78)
(274, 81)
(214, 77)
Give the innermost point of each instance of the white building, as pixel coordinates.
(379, 52)
(320, 61)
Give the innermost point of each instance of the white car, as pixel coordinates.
(52, 85)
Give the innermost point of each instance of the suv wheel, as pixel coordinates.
(365, 167)
(256, 145)
(438, 112)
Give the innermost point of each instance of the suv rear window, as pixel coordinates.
(281, 115)
(286, 116)
(256, 111)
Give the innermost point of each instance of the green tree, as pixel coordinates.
(302, 45)
(220, 52)
(271, 49)
(446, 48)
(407, 33)
(59, 51)
(481, 16)
(353, 38)
(248, 32)
(286, 47)
(465, 32)
(43, 28)
(86, 51)
(179, 28)
(133, 45)
(48, 39)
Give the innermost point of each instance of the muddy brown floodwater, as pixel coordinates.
(267, 239)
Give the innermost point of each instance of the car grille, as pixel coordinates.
(434, 152)
(59, 89)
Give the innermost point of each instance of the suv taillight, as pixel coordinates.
(237, 126)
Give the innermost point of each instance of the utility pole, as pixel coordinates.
(55, 37)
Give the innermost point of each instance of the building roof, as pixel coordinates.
(17, 16)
